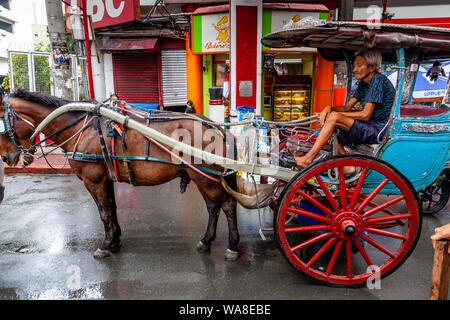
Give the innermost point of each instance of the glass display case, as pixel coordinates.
(290, 105)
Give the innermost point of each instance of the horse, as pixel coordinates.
(26, 110)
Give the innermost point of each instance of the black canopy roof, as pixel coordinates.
(330, 37)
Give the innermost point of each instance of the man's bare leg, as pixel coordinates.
(347, 169)
(334, 119)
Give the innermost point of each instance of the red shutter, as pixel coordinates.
(136, 77)
(172, 44)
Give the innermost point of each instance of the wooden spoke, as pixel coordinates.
(358, 188)
(372, 195)
(320, 227)
(377, 245)
(389, 218)
(334, 257)
(348, 247)
(321, 251)
(386, 233)
(363, 252)
(311, 241)
(382, 206)
(311, 215)
(316, 203)
(342, 188)
(328, 194)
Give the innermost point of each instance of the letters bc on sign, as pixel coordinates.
(107, 13)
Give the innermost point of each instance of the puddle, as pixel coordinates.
(18, 248)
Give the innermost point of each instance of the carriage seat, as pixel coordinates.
(415, 111)
(366, 149)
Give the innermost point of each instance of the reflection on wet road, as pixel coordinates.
(50, 228)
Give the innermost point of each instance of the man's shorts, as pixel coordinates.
(361, 132)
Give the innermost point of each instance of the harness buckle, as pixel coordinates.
(83, 157)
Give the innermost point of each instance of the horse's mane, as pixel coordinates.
(39, 98)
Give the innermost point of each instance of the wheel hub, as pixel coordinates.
(347, 225)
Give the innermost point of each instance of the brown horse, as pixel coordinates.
(27, 110)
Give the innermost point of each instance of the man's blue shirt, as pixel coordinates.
(381, 92)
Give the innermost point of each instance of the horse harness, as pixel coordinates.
(109, 156)
(7, 124)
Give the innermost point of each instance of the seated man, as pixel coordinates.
(376, 94)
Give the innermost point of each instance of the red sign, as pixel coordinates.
(106, 13)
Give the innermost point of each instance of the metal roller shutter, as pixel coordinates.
(136, 77)
(173, 76)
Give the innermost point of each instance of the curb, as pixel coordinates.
(57, 161)
(47, 170)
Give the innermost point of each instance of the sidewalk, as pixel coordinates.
(57, 160)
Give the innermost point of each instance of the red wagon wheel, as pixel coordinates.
(342, 229)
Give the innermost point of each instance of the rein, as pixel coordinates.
(8, 120)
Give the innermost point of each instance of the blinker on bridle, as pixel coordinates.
(7, 124)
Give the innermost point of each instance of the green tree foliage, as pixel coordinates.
(42, 71)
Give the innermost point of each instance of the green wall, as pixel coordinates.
(207, 73)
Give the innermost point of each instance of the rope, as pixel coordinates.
(141, 114)
(79, 137)
(67, 140)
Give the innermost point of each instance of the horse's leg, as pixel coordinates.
(104, 200)
(229, 208)
(115, 244)
(217, 198)
(213, 211)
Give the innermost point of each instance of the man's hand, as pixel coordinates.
(324, 115)
(441, 233)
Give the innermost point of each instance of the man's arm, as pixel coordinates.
(364, 114)
(347, 107)
(324, 113)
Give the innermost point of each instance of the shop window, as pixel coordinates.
(4, 4)
(6, 26)
(220, 73)
(284, 67)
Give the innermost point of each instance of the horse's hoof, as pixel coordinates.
(231, 255)
(115, 246)
(201, 247)
(100, 254)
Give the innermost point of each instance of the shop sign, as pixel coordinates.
(212, 33)
(275, 21)
(107, 13)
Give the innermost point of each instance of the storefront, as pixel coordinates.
(140, 64)
(148, 72)
(286, 89)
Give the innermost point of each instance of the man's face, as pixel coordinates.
(361, 69)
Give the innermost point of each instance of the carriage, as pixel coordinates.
(412, 157)
(338, 229)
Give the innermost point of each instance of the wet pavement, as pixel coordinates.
(50, 228)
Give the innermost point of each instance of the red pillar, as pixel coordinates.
(246, 19)
(88, 48)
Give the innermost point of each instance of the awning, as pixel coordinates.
(270, 6)
(138, 45)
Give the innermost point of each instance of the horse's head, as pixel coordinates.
(15, 133)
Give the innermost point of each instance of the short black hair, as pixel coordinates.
(189, 102)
